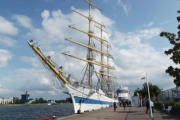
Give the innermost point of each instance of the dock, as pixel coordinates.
(130, 113)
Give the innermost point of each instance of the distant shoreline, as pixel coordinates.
(22, 104)
(28, 104)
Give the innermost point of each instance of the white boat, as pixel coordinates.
(86, 97)
(51, 102)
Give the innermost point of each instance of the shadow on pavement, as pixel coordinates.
(127, 111)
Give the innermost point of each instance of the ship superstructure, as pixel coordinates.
(123, 94)
(86, 97)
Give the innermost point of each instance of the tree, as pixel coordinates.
(174, 52)
(154, 90)
(39, 100)
(138, 91)
(16, 100)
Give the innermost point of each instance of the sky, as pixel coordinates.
(133, 28)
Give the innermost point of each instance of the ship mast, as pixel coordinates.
(48, 62)
(108, 80)
(90, 59)
(102, 56)
(102, 62)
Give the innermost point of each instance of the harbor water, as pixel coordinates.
(34, 112)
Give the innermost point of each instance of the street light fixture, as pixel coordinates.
(151, 115)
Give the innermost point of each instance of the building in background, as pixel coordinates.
(6, 100)
(25, 97)
(171, 94)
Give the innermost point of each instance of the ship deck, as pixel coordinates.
(130, 113)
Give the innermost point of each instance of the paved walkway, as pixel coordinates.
(130, 113)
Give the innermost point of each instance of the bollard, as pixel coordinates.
(79, 111)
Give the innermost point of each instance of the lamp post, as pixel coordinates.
(151, 115)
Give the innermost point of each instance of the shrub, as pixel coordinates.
(158, 105)
(176, 108)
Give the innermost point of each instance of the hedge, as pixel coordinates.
(175, 107)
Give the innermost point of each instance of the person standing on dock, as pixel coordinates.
(147, 106)
(124, 104)
(152, 105)
(115, 106)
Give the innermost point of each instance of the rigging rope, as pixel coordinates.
(84, 74)
(98, 83)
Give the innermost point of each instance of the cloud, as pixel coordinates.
(5, 92)
(166, 22)
(39, 83)
(45, 14)
(135, 57)
(33, 79)
(35, 74)
(5, 56)
(134, 39)
(55, 27)
(23, 20)
(149, 33)
(6, 41)
(7, 27)
(33, 60)
(149, 24)
(124, 6)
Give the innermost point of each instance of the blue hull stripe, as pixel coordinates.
(90, 101)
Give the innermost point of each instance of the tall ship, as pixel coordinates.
(85, 96)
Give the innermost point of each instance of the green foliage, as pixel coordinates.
(154, 90)
(158, 105)
(168, 103)
(174, 52)
(137, 91)
(175, 106)
(16, 100)
(39, 100)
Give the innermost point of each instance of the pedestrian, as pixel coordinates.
(152, 105)
(130, 103)
(120, 103)
(163, 107)
(147, 106)
(127, 103)
(124, 104)
(115, 106)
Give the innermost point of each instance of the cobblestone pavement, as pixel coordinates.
(130, 113)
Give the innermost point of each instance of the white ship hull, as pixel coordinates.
(86, 100)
